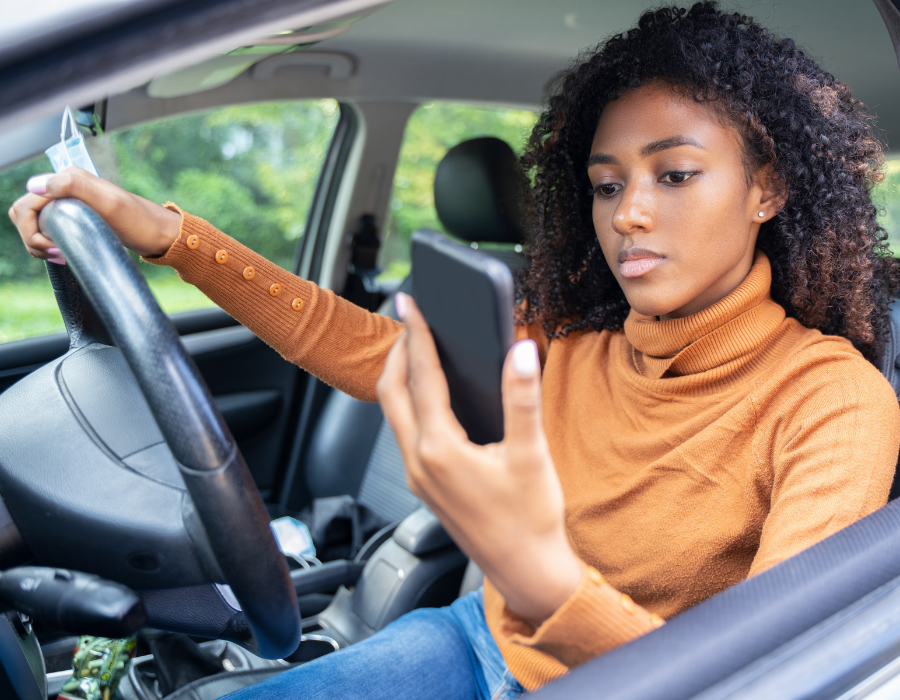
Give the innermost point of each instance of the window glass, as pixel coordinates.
(250, 170)
(432, 130)
(887, 198)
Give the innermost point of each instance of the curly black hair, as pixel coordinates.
(831, 267)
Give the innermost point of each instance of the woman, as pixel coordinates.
(691, 400)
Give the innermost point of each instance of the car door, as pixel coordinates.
(253, 170)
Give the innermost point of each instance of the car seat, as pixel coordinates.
(890, 368)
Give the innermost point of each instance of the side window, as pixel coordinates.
(887, 198)
(250, 170)
(432, 130)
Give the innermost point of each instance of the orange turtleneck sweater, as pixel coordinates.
(692, 452)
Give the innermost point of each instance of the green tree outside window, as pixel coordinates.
(249, 170)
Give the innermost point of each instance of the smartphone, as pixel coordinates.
(467, 298)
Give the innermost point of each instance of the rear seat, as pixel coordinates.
(890, 368)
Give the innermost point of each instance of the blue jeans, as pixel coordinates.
(429, 653)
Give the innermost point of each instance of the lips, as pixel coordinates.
(634, 262)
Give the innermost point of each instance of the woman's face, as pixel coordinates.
(675, 217)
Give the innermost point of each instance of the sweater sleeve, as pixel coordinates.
(337, 341)
(594, 620)
(833, 457)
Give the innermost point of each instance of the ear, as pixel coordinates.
(768, 195)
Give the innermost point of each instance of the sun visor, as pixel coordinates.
(286, 48)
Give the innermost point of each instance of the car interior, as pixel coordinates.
(143, 454)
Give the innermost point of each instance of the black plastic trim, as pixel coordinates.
(21, 663)
(196, 328)
(13, 550)
(22, 355)
(249, 412)
(325, 578)
(328, 187)
(890, 13)
(201, 321)
(306, 411)
(207, 342)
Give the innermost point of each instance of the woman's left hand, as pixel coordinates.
(501, 503)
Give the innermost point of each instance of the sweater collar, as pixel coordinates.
(731, 332)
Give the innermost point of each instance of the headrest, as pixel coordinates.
(478, 192)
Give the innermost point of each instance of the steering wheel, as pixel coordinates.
(139, 479)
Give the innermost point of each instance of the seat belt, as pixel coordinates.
(362, 287)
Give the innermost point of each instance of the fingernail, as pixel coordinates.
(401, 303)
(38, 184)
(54, 252)
(57, 261)
(525, 360)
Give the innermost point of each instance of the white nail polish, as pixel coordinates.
(525, 361)
(401, 304)
(38, 184)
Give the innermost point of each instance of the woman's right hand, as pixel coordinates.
(143, 226)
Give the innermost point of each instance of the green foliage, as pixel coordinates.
(887, 198)
(250, 170)
(28, 308)
(434, 129)
(15, 262)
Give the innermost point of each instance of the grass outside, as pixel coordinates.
(28, 308)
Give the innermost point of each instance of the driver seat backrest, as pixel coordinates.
(478, 192)
(890, 368)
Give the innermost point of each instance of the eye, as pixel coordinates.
(677, 177)
(605, 189)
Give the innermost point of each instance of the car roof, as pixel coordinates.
(490, 51)
(512, 48)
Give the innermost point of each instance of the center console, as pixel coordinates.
(417, 566)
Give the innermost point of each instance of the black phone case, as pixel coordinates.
(467, 298)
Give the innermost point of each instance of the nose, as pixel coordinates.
(634, 211)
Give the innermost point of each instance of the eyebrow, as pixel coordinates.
(648, 150)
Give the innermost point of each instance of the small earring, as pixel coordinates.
(762, 215)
